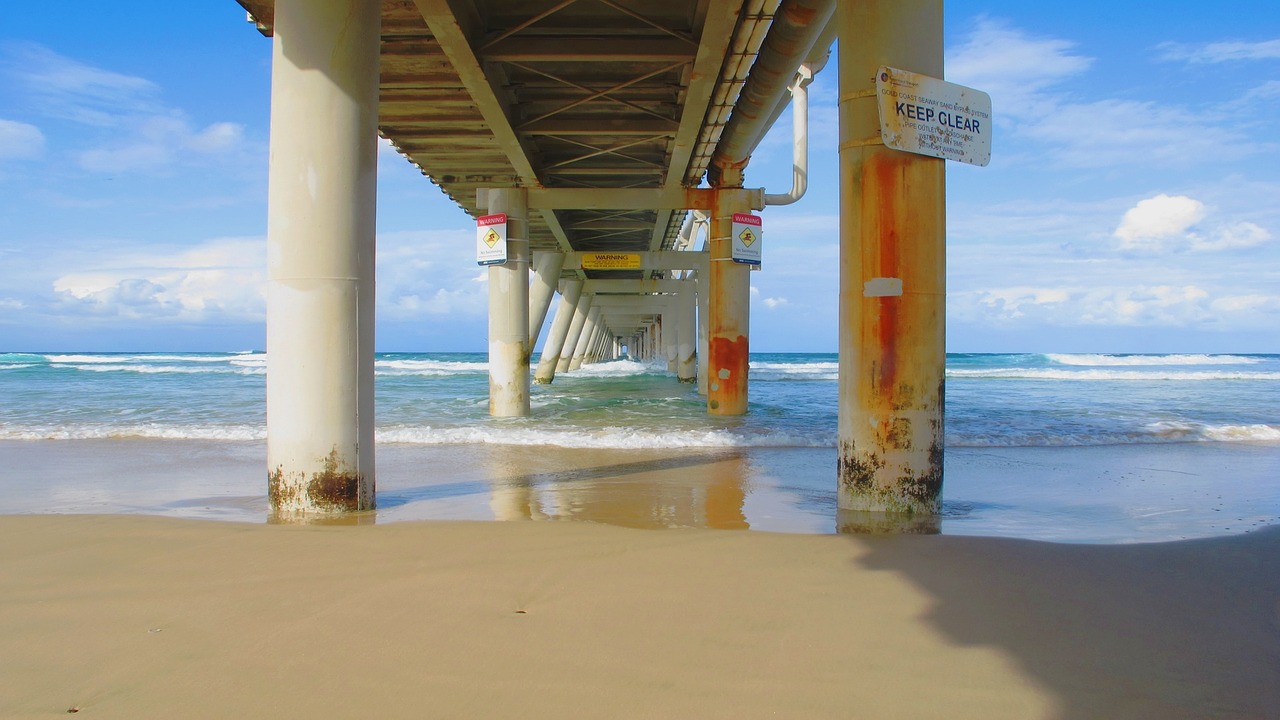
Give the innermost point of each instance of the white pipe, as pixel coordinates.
(799, 140)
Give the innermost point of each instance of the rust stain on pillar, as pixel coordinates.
(729, 306)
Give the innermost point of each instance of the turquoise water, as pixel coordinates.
(1011, 400)
(1074, 448)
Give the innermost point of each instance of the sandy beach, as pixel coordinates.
(131, 617)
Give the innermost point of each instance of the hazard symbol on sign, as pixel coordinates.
(747, 238)
(491, 239)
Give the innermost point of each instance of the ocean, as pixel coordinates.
(1086, 417)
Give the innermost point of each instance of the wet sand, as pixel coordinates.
(132, 616)
(1106, 494)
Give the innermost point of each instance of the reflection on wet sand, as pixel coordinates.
(639, 494)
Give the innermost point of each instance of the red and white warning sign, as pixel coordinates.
(491, 239)
(747, 237)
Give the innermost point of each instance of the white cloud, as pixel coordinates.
(1012, 66)
(1219, 52)
(20, 141)
(430, 273)
(67, 89)
(1232, 237)
(1157, 218)
(1068, 306)
(774, 302)
(1021, 72)
(219, 279)
(140, 133)
(161, 141)
(1165, 223)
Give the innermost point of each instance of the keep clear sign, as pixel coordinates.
(927, 116)
(746, 239)
(491, 239)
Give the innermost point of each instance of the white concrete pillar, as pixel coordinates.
(580, 312)
(584, 338)
(892, 235)
(509, 309)
(546, 276)
(320, 256)
(671, 338)
(554, 345)
(687, 304)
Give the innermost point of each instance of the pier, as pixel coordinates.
(609, 140)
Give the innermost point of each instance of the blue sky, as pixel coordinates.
(1132, 203)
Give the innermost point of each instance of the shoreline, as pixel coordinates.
(133, 616)
(1092, 494)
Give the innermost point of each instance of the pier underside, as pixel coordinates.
(612, 135)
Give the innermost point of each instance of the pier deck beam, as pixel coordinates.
(509, 310)
(320, 257)
(892, 282)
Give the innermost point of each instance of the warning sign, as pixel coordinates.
(747, 238)
(610, 261)
(491, 239)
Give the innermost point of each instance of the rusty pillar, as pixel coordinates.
(728, 310)
(320, 257)
(704, 339)
(509, 310)
(892, 282)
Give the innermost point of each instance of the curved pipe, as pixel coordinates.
(799, 140)
(796, 28)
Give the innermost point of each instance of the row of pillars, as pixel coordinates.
(320, 325)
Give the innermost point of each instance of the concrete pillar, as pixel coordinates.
(671, 339)
(509, 309)
(892, 281)
(580, 312)
(555, 343)
(546, 276)
(703, 336)
(729, 307)
(584, 338)
(687, 303)
(320, 256)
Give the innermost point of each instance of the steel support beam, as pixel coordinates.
(320, 257)
(892, 282)
(666, 198)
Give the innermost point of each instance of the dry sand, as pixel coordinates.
(143, 617)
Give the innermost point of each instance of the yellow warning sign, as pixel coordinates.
(746, 237)
(491, 238)
(610, 261)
